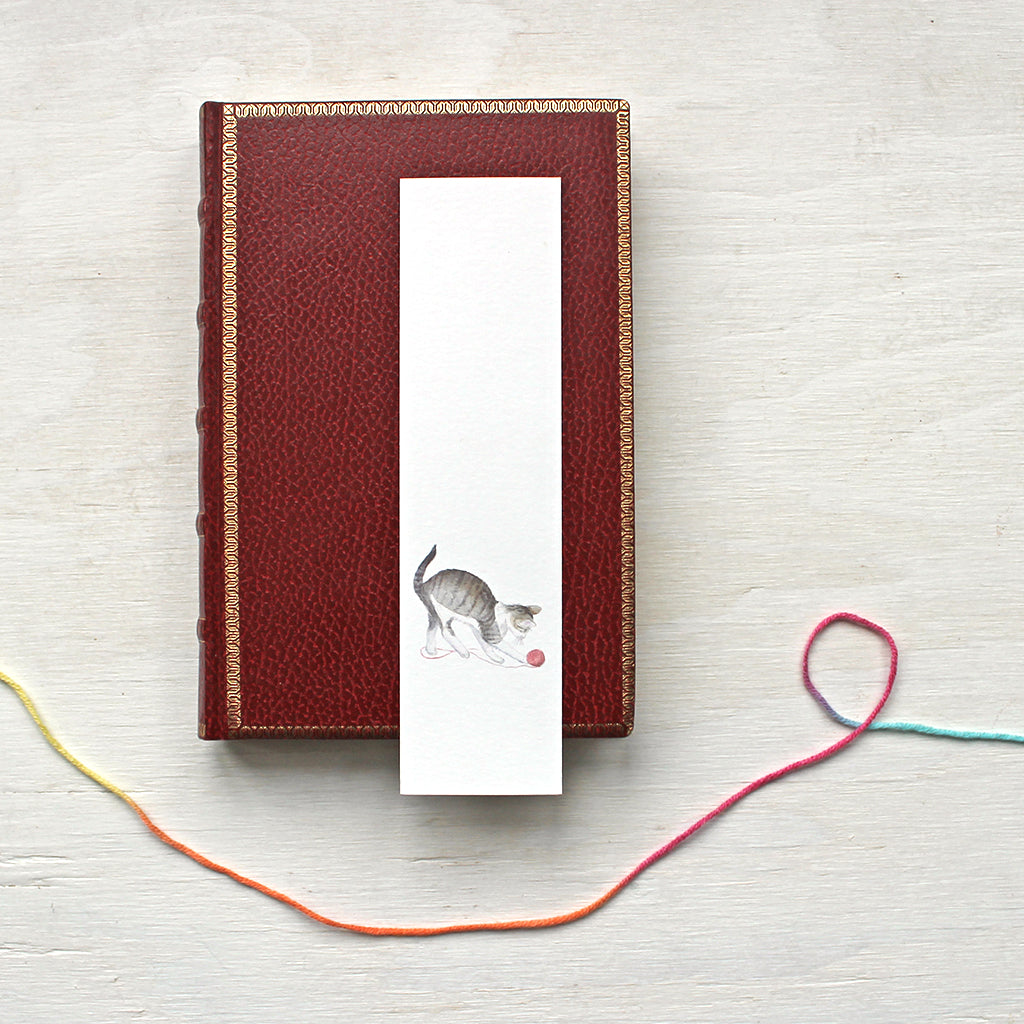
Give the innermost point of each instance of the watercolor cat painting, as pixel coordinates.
(454, 596)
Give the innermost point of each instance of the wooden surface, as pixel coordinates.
(828, 277)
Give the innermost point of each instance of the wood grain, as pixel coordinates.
(828, 271)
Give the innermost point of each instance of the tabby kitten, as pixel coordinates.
(454, 595)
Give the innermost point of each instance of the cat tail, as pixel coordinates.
(433, 620)
(417, 580)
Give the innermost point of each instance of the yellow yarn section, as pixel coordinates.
(60, 748)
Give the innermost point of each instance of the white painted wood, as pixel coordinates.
(828, 270)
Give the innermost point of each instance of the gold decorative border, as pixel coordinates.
(319, 732)
(229, 389)
(361, 108)
(231, 113)
(626, 415)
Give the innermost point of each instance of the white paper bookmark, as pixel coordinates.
(480, 450)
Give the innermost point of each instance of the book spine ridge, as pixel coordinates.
(211, 721)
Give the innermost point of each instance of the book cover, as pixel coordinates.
(299, 401)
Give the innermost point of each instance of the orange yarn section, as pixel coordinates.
(367, 929)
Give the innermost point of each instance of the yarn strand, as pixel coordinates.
(857, 729)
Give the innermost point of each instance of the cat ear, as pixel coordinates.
(534, 609)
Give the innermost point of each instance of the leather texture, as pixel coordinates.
(317, 409)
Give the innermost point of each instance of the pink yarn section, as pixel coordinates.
(794, 766)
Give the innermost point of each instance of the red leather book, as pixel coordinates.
(298, 413)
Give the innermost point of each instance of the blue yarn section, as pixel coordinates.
(927, 730)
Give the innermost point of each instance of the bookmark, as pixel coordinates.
(480, 492)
